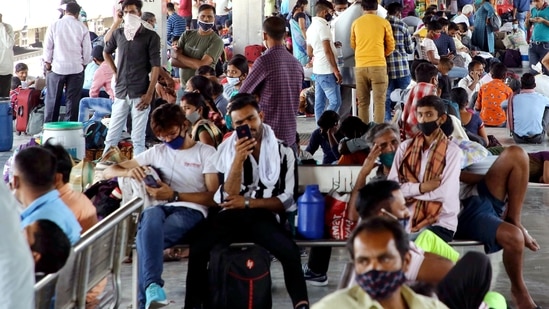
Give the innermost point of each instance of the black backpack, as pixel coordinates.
(240, 278)
(95, 133)
(104, 196)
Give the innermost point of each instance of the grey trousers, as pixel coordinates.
(72, 85)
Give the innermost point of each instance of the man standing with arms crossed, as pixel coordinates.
(138, 55)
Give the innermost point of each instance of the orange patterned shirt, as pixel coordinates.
(490, 97)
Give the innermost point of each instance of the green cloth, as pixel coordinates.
(430, 242)
(195, 46)
(494, 300)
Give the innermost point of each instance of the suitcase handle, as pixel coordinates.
(20, 111)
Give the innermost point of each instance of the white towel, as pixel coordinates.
(269, 157)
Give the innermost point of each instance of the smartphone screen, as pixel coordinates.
(243, 131)
(150, 181)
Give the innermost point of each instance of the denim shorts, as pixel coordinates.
(480, 218)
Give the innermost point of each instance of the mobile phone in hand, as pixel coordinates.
(243, 131)
(151, 182)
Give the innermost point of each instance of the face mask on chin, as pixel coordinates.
(205, 26)
(232, 81)
(328, 17)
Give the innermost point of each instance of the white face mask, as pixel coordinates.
(131, 25)
(232, 81)
(193, 117)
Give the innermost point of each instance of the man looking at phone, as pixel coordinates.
(471, 82)
(188, 184)
(259, 185)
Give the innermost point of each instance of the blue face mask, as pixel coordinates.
(404, 222)
(387, 158)
(228, 122)
(205, 26)
(176, 143)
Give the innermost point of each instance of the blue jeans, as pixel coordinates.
(397, 83)
(536, 52)
(168, 223)
(326, 87)
(101, 107)
(119, 115)
(457, 72)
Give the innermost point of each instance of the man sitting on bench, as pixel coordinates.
(188, 184)
(259, 182)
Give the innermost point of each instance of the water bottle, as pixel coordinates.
(6, 125)
(310, 213)
(340, 57)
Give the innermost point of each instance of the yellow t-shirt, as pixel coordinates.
(372, 39)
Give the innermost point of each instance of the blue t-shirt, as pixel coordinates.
(528, 109)
(541, 31)
(331, 154)
(50, 207)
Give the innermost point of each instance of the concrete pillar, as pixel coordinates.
(247, 24)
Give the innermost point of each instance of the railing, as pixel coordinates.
(95, 256)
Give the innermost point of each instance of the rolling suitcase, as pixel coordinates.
(27, 100)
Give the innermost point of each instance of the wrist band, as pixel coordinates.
(247, 202)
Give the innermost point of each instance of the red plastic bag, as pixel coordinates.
(337, 216)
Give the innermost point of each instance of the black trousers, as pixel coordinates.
(242, 225)
(467, 282)
(5, 85)
(56, 84)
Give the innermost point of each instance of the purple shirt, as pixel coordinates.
(276, 77)
(448, 191)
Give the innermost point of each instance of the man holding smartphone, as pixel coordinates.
(258, 184)
(188, 185)
(539, 42)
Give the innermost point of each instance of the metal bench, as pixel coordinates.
(96, 256)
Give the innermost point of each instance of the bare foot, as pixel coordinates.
(529, 241)
(523, 300)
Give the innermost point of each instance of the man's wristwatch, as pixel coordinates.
(175, 196)
(246, 202)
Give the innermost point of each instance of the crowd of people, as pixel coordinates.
(219, 186)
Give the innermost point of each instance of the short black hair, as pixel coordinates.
(241, 63)
(453, 26)
(241, 100)
(204, 7)
(481, 60)
(341, 2)
(37, 167)
(138, 4)
(434, 25)
(73, 8)
(443, 22)
(170, 6)
(374, 196)
(472, 65)
(369, 5)
(53, 245)
(460, 96)
(414, 66)
(425, 72)
(197, 100)
(205, 70)
(353, 126)
(498, 70)
(381, 224)
(275, 27)
(328, 119)
(165, 117)
(323, 5)
(21, 67)
(528, 81)
(432, 101)
(64, 161)
(394, 8)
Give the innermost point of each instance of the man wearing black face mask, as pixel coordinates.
(197, 47)
(188, 184)
(379, 248)
(428, 168)
(321, 46)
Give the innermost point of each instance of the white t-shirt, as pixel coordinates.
(220, 6)
(427, 45)
(317, 33)
(16, 264)
(183, 170)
